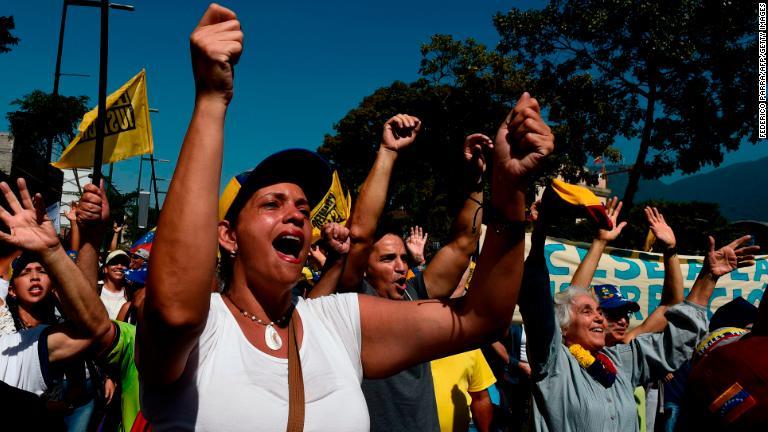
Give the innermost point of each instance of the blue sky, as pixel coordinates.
(305, 65)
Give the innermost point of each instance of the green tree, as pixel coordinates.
(579, 128)
(42, 119)
(426, 186)
(6, 38)
(121, 205)
(691, 221)
(672, 74)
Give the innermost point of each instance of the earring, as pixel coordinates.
(233, 253)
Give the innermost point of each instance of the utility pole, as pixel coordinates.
(98, 150)
(105, 6)
(154, 179)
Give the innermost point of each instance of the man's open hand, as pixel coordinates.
(613, 210)
(730, 257)
(659, 227)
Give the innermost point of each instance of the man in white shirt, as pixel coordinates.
(113, 290)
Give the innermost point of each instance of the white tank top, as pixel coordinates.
(230, 385)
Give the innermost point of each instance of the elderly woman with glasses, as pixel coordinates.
(578, 382)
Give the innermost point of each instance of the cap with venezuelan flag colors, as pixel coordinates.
(298, 166)
(610, 298)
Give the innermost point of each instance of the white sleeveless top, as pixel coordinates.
(230, 385)
(20, 364)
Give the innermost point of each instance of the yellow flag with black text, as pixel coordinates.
(127, 130)
(335, 206)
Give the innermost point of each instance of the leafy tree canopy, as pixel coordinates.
(7, 40)
(44, 118)
(691, 221)
(673, 74)
(427, 181)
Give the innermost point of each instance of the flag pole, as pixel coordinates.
(101, 117)
(154, 180)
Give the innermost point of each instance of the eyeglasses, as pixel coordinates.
(615, 315)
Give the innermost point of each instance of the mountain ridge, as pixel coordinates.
(738, 189)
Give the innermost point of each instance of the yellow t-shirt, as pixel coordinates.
(454, 378)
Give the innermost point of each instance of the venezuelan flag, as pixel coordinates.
(145, 242)
(581, 197)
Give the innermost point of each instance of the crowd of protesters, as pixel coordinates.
(258, 329)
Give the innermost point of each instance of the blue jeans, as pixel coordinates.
(78, 420)
(671, 413)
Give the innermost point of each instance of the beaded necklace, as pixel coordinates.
(271, 338)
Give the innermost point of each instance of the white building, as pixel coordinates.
(71, 189)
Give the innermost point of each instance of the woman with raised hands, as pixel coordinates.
(26, 356)
(580, 383)
(31, 299)
(254, 358)
(617, 310)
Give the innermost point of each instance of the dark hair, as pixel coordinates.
(48, 304)
(302, 167)
(23, 261)
(7, 249)
(380, 234)
(736, 313)
(389, 225)
(224, 266)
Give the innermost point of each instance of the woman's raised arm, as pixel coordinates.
(32, 230)
(178, 289)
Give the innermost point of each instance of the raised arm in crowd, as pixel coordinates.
(570, 359)
(87, 325)
(266, 234)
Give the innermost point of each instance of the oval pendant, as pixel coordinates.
(272, 338)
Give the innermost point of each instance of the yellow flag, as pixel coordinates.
(127, 130)
(334, 207)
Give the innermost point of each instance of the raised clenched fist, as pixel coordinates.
(474, 154)
(216, 45)
(93, 209)
(522, 142)
(336, 237)
(400, 131)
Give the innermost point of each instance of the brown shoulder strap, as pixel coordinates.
(295, 381)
